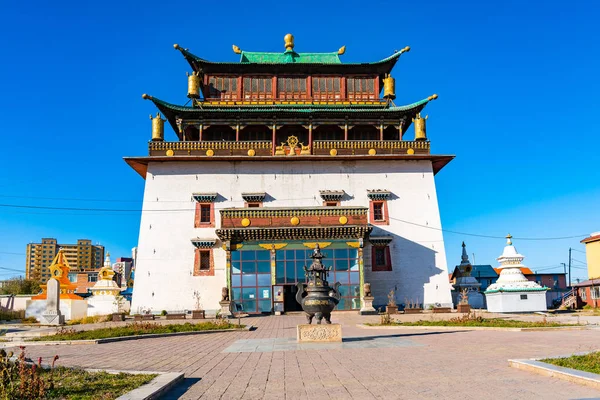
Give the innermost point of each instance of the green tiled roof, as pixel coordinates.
(294, 108)
(290, 57)
(291, 62)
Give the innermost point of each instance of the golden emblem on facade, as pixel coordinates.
(169, 153)
(245, 222)
(295, 221)
(343, 220)
(372, 152)
(251, 152)
(410, 151)
(210, 152)
(333, 152)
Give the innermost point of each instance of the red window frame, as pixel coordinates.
(198, 270)
(324, 88)
(331, 203)
(257, 87)
(384, 210)
(223, 87)
(198, 223)
(384, 251)
(253, 204)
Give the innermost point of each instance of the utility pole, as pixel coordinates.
(474, 263)
(569, 266)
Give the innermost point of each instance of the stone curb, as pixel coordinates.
(151, 390)
(474, 328)
(567, 374)
(118, 339)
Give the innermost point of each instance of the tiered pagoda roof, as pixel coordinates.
(326, 107)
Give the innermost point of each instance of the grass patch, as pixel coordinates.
(21, 379)
(135, 329)
(471, 320)
(589, 362)
(81, 385)
(90, 320)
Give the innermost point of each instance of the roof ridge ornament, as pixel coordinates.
(342, 50)
(236, 49)
(289, 42)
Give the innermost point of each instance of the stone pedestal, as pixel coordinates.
(367, 306)
(520, 302)
(319, 333)
(52, 315)
(225, 308)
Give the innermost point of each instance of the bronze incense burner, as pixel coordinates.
(317, 298)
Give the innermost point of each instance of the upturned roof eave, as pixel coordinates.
(199, 64)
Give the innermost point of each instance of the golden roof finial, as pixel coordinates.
(289, 42)
(342, 50)
(508, 239)
(432, 97)
(236, 49)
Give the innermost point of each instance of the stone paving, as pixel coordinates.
(371, 364)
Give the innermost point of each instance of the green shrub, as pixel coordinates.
(163, 312)
(11, 315)
(587, 307)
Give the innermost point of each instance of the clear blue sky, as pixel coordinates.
(518, 85)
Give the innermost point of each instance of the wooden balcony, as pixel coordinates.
(263, 148)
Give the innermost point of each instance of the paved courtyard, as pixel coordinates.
(370, 364)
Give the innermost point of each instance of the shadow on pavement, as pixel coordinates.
(180, 389)
(398, 335)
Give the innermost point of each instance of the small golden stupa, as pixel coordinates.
(59, 269)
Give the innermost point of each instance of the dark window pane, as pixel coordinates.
(236, 293)
(264, 267)
(289, 254)
(280, 272)
(233, 84)
(205, 260)
(248, 267)
(249, 280)
(378, 211)
(235, 255)
(336, 84)
(370, 85)
(340, 253)
(205, 213)
(341, 265)
(379, 256)
(248, 255)
(290, 272)
(268, 85)
(264, 279)
(354, 277)
(264, 255)
(264, 305)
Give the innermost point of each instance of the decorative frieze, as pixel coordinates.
(331, 195)
(233, 213)
(379, 194)
(380, 241)
(254, 197)
(205, 197)
(294, 233)
(204, 243)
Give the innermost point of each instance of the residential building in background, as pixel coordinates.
(592, 254)
(81, 256)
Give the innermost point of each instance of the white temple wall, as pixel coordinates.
(165, 260)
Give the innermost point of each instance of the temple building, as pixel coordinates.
(272, 155)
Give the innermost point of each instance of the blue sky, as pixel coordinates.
(518, 86)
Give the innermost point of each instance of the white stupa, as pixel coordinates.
(106, 297)
(513, 292)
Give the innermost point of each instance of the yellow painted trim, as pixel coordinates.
(271, 246)
(355, 245)
(312, 245)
